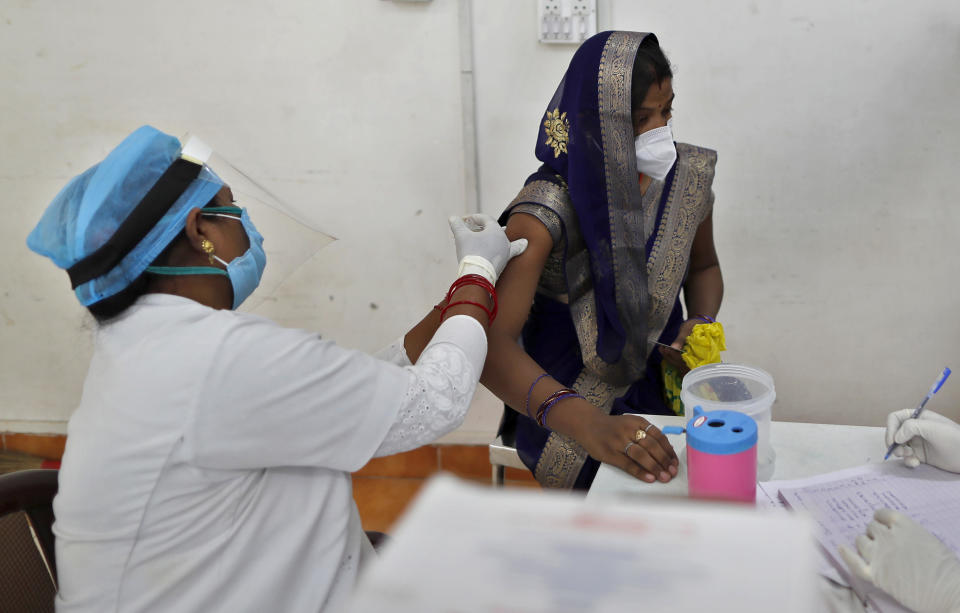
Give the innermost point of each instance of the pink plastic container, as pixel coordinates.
(721, 455)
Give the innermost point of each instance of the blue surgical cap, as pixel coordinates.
(87, 213)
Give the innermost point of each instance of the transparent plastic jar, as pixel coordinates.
(735, 387)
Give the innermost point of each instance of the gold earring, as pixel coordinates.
(207, 248)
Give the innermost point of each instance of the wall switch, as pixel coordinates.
(566, 21)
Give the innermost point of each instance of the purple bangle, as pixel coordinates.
(526, 404)
(705, 318)
(543, 418)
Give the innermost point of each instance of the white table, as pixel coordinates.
(802, 450)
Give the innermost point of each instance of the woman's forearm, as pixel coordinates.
(509, 373)
(703, 292)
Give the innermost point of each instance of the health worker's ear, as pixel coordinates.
(199, 229)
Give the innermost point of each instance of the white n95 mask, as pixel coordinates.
(656, 152)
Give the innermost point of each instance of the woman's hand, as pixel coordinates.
(674, 358)
(632, 444)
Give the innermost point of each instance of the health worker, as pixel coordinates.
(207, 466)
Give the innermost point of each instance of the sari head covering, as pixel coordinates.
(587, 140)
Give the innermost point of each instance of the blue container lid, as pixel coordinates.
(721, 432)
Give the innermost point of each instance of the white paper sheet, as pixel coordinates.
(769, 498)
(843, 503)
(470, 549)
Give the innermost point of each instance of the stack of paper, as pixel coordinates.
(466, 548)
(843, 503)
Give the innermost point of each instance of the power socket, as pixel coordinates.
(566, 21)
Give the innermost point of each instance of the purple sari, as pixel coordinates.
(611, 284)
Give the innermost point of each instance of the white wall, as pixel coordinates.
(353, 106)
(835, 123)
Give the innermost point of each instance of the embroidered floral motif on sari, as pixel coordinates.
(556, 126)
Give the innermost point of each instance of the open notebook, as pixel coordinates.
(842, 503)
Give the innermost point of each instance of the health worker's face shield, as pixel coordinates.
(291, 232)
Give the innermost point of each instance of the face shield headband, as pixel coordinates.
(144, 217)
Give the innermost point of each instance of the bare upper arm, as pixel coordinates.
(518, 281)
(703, 253)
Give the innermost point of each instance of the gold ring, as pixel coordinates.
(640, 435)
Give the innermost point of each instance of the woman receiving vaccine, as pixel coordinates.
(619, 223)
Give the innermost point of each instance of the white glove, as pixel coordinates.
(931, 438)
(482, 246)
(900, 557)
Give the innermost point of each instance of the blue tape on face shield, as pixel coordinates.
(244, 271)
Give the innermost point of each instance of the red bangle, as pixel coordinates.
(476, 304)
(479, 281)
(473, 280)
(487, 287)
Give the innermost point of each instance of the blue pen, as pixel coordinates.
(916, 412)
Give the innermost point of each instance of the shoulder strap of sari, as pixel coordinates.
(545, 196)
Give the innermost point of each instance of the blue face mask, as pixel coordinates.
(244, 271)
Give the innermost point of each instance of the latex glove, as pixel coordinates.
(836, 598)
(931, 438)
(482, 246)
(900, 557)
